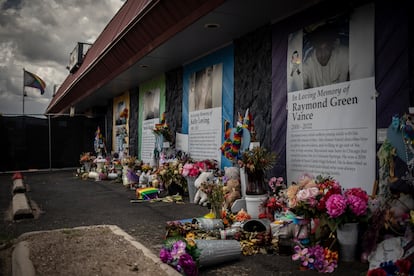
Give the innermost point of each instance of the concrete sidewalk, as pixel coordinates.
(23, 266)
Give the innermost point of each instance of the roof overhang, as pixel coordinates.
(146, 38)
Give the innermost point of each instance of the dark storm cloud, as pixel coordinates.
(39, 35)
(13, 4)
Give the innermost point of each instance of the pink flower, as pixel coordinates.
(357, 205)
(307, 180)
(307, 193)
(336, 205)
(300, 253)
(357, 192)
(186, 169)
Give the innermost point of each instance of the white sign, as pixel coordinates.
(148, 140)
(181, 142)
(205, 134)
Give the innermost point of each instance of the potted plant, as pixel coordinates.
(255, 162)
(86, 160)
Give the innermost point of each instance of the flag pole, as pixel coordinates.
(23, 92)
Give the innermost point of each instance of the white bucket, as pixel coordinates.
(253, 203)
(348, 239)
(209, 224)
(214, 252)
(243, 182)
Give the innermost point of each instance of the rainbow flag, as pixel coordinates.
(147, 193)
(32, 80)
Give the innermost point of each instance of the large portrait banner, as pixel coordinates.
(331, 127)
(120, 135)
(151, 116)
(151, 106)
(205, 112)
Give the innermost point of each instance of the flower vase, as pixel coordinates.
(243, 182)
(214, 252)
(216, 210)
(347, 235)
(87, 166)
(256, 184)
(191, 188)
(302, 231)
(253, 204)
(100, 166)
(256, 192)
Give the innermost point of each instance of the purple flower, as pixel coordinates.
(178, 249)
(188, 265)
(300, 253)
(319, 265)
(307, 260)
(317, 252)
(165, 255)
(336, 205)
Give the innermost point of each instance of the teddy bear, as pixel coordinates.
(232, 187)
(201, 197)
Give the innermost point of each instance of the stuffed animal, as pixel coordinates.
(232, 188)
(200, 196)
(144, 179)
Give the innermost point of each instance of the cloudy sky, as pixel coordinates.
(38, 35)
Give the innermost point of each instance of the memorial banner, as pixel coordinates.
(331, 126)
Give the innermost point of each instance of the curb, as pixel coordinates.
(21, 263)
(20, 207)
(20, 204)
(23, 266)
(18, 186)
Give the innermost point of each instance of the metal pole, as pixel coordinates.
(106, 136)
(23, 93)
(50, 144)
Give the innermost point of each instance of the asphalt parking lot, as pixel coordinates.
(65, 201)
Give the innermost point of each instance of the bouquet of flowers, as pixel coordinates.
(255, 163)
(316, 258)
(215, 196)
(257, 159)
(324, 198)
(303, 197)
(182, 254)
(193, 169)
(276, 201)
(86, 157)
(168, 174)
(129, 161)
(349, 205)
(163, 129)
(402, 267)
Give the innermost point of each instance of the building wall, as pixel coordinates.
(174, 98)
(133, 121)
(109, 124)
(252, 80)
(253, 74)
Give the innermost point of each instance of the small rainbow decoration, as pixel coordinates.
(147, 193)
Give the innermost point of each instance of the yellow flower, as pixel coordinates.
(190, 239)
(190, 235)
(331, 255)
